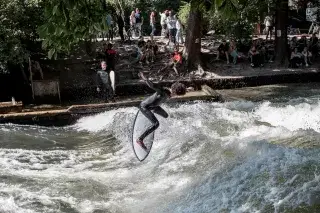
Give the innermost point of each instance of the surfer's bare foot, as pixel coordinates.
(140, 143)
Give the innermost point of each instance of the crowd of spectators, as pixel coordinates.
(303, 52)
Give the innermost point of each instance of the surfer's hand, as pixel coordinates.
(98, 89)
(190, 89)
(141, 75)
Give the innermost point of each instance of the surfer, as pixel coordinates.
(152, 105)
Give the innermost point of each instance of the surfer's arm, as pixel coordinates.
(149, 83)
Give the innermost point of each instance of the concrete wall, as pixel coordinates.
(76, 77)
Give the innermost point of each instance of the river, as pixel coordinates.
(237, 156)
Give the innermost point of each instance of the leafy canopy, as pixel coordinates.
(70, 21)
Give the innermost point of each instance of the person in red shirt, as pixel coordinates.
(174, 63)
(110, 57)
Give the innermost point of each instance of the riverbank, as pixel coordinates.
(62, 115)
(230, 77)
(54, 115)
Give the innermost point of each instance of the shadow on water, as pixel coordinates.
(51, 138)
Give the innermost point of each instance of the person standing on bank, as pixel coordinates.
(152, 24)
(120, 23)
(139, 21)
(171, 23)
(104, 83)
(179, 27)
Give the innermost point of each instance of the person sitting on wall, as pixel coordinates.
(295, 59)
(314, 46)
(254, 56)
(149, 52)
(306, 54)
(104, 84)
(140, 52)
(223, 51)
(174, 63)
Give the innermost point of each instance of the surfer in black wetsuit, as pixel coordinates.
(152, 105)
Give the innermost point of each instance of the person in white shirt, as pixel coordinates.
(133, 22)
(269, 26)
(163, 18)
(171, 23)
(179, 37)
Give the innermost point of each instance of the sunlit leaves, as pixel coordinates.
(70, 21)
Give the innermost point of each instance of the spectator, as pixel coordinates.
(295, 58)
(314, 46)
(293, 43)
(268, 21)
(306, 56)
(174, 63)
(140, 56)
(223, 51)
(155, 48)
(179, 37)
(261, 48)
(103, 83)
(132, 19)
(110, 57)
(303, 42)
(110, 24)
(171, 23)
(139, 20)
(149, 52)
(120, 23)
(163, 18)
(233, 52)
(254, 56)
(152, 24)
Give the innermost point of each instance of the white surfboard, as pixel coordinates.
(112, 79)
(141, 123)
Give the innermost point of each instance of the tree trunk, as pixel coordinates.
(281, 39)
(193, 37)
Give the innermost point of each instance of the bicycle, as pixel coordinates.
(293, 31)
(133, 30)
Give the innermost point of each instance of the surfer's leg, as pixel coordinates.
(158, 110)
(155, 123)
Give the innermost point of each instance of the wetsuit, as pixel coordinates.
(152, 105)
(103, 82)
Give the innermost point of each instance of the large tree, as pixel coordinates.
(281, 39)
(193, 36)
(192, 51)
(235, 15)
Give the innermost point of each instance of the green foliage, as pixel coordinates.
(184, 11)
(70, 21)
(233, 18)
(18, 22)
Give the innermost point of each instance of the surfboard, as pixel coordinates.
(112, 78)
(141, 123)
